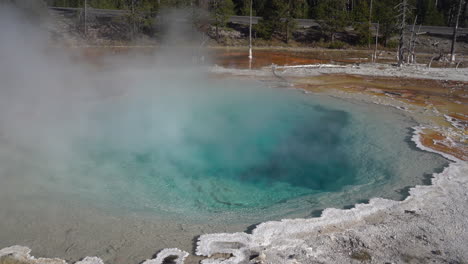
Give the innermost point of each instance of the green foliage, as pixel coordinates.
(432, 16)
(392, 44)
(104, 4)
(221, 10)
(332, 17)
(278, 17)
(361, 22)
(274, 10)
(66, 3)
(141, 15)
(386, 14)
(428, 12)
(264, 30)
(176, 3)
(337, 45)
(298, 8)
(242, 8)
(293, 9)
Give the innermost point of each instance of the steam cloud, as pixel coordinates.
(66, 120)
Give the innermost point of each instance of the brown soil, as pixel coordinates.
(437, 141)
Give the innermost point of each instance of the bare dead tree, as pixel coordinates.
(370, 22)
(455, 31)
(403, 9)
(374, 58)
(133, 19)
(413, 45)
(410, 49)
(288, 21)
(430, 62)
(250, 33)
(85, 17)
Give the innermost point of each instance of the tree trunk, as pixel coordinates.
(370, 23)
(250, 31)
(376, 43)
(133, 19)
(410, 53)
(463, 14)
(401, 44)
(288, 19)
(217, 20)
(85, 18)
(455, 30)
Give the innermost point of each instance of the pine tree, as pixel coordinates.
(386, 14)
(273, 12)
(221, 11)
(433, 17)
(332, 16)
(294, 9)
(361, 21)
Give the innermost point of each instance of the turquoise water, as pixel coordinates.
(253, 149)
(242, 148)
(167, 160)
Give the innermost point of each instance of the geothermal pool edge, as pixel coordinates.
(377, 231)
(430, 224)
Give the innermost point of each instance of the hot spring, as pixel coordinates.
(127, 157)
(179, 159)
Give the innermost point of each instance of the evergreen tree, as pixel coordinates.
(332, 16)
(361, 21)
(65, 3)
(432, 17)
(221, 11)
(141, 13)
(386, 15)
(242, 7)
(273, 12)
(103, 4)
(293, 9)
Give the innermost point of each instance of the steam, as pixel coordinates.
(66, 120)
(46, 93)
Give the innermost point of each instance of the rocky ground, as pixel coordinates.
(369, 69)
(407, 71)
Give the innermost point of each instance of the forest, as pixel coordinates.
(333, 16)
(428, 12)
